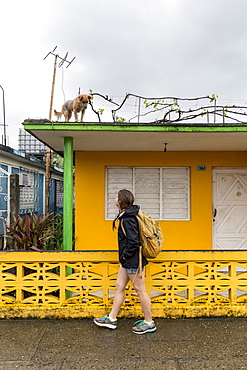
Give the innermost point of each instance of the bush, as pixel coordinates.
(32, 233)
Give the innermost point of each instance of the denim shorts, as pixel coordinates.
(133, 270)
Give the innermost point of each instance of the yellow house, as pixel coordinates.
(192, 178)
(197, 187)
(200, 197)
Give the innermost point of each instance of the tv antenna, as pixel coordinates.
(48, 150)
(63, 60)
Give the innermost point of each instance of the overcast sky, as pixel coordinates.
(182, 48)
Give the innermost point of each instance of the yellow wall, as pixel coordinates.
(94, 233)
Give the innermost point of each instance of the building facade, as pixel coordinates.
(199, 198)
(32, 184)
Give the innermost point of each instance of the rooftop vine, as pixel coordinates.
(170, 109)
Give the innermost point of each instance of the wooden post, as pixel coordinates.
(47, 180)
(48, 150)
(14, 196)
(52, 88)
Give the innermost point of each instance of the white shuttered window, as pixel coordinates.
(162, 192)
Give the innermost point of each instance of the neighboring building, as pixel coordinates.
(30, 145)
(32, 184)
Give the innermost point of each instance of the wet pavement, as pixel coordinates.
(182, 344)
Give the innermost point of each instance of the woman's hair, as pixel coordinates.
(125, 200)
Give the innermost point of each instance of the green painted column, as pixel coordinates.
(68, 194)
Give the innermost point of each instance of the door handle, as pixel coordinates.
(214, 214)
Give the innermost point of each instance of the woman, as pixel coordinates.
(128, 244)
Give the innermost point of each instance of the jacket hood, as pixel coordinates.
(131, 211)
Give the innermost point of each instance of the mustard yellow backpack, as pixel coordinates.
(151, 235)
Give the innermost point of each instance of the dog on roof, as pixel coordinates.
(58, 115)
(79, 104)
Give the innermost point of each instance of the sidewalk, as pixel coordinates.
(214, 343)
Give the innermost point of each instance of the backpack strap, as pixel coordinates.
(140, 261)
(122, 226)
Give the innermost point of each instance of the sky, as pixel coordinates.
(158, 48)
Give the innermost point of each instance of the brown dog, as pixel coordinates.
(79, 104)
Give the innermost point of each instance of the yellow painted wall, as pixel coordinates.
(94, 233)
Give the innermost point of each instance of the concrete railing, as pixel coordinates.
(82, 284)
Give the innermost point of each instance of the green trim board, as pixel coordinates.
(107, 136)
(72, 126)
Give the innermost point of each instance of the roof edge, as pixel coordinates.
(36, 125)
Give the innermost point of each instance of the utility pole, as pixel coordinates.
(48, 150)
(4, 124)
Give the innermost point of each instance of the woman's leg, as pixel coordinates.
(122, 281)
(139, 286)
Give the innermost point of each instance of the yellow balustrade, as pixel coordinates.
(82, 284)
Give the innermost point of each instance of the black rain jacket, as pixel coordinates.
(128, 246)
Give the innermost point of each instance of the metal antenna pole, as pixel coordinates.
(48, 150)
(4, 125)
(139, 110)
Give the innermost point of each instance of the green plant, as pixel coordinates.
(32, 233)
(57, 160)
(55, 241)
(213, 98)
(101, 111)
(120, 119)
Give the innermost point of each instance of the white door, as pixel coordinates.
(230, 208)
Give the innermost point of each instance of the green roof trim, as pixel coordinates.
(36, 125)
